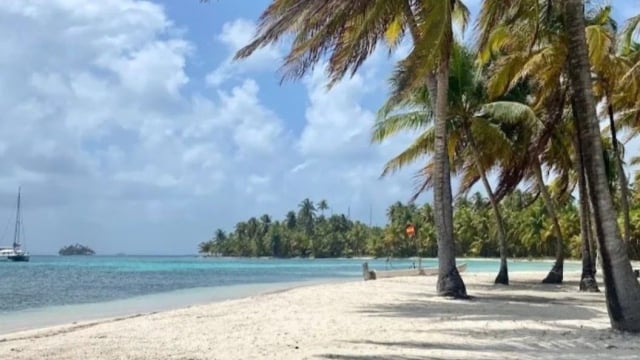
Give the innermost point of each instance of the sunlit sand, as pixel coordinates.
(397, 318)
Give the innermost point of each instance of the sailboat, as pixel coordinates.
(16, 252)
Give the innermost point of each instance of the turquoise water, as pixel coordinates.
(49, 281)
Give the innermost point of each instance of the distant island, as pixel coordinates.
(76, 249)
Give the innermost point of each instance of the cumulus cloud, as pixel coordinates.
(97, 129)
(235, 35)
(114, 152)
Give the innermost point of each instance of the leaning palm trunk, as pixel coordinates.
(587, 279)
(622, 178)
(449, 281)
(622, 288)
(503, 273)
(556, 273)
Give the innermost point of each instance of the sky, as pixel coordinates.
(131, 130)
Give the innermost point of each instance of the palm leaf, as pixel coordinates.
(391, 125)
(630, 30)
(422, 146)
(510, 112)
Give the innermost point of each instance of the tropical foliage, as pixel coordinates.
(306, 232)
(521, 106)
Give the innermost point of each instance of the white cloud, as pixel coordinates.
(234, 36)
(112, 149)
(151, 68)
(97, 125)
(337, 125)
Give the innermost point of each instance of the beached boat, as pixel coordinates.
(420, 271)
(16, 252)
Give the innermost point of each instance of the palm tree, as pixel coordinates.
(291, 221)
(306, 215)
(322, 206)
(529, 133)
(609, 69)
(349, 31)
(536, 53)
(587, 278)
(475, 141)
(622, 288)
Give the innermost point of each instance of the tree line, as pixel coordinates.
(309, 232)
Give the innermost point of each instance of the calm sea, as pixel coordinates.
(50, 285)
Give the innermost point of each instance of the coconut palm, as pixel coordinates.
(526, 165)
(322, 206)
(537, 54)
(622, 289)
(587, 278)
(348, 32)
(626, 96)
(474, 143)
(609, 69)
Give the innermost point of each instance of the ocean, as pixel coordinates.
(56, 289)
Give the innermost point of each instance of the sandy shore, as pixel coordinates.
(399, 318)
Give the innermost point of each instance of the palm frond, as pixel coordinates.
(631, 29)
(423, 180)
(391, 125)
(510, 112)
(504, 72)
(422, 146)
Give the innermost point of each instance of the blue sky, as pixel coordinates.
(130, 130)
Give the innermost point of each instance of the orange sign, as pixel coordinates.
(411, 230)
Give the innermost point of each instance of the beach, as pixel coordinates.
(397, 318)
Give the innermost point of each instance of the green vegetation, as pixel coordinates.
(521, 106)
(308, 233)
(76, 249)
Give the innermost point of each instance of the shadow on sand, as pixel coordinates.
(553, 339)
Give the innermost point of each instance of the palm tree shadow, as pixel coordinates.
(550, 305)
(487, 307)
(582, 342)
(496, 302)
(378, 357)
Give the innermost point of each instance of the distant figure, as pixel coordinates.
(387, 263)
(366, 273)
(414, 264)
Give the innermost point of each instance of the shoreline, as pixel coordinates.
(58, 315)
(106, 311)
(397, 318)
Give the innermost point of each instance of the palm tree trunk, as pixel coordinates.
(556, 273)
(593, 234)
(587, 279)
(622, 288)
(449, 281)
(622, 178)
(503, 273)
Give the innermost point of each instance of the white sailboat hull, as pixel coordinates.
(10, 254)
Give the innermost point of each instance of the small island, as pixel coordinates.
(76, 249)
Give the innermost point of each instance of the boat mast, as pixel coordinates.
(16, 231)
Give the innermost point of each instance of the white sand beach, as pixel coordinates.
(398, 318)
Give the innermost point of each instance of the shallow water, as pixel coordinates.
(48, 281)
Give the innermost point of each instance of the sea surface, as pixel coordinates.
(57, 289)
